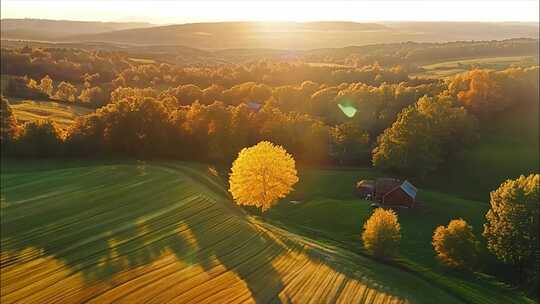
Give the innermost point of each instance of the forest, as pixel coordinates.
(356, 114)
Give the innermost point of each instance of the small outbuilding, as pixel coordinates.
(383, 185)
(390, 192)
(403, 195)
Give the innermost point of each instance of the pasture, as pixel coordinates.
(102, 232)
(453, 67)
(332, 213)
(61, 113)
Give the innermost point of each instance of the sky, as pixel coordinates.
(168, 12)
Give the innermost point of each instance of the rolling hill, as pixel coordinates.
(124, 232)
(120, 232)
(311, 35)
(43, 29)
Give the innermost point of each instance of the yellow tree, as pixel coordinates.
(261, 175)
(456, 245)
(46, 85)
(66, 91)
(382, 234)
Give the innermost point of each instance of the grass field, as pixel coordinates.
(128, 232)
(60, 113)
(450, 68)
(333, 213)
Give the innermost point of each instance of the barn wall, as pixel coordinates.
(398, 197)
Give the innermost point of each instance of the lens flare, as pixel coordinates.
(347, 109)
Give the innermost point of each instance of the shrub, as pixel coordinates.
(455, 245)
(382, 234)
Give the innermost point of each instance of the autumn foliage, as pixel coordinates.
(456, 245)
(382, 234)
(512, 224)
(261, 175)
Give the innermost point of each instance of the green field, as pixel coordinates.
(167, 232)
(61, 113)
(332, 212)
(450, 68)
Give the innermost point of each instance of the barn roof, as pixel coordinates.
(384, 185)
(409, 189)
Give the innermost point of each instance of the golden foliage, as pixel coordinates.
(261, 175)
(511, 230)
(382, 234)
(456, 245)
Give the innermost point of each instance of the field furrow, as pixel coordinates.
(167, 233)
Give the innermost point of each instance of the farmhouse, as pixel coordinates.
(388, 191)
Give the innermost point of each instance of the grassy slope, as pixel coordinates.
(136, 232)
(330, 211)
(453, 67)
(60, 113)
(508, 147)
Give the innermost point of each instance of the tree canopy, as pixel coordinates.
(261, 175)
(382, 234)
(512, 224)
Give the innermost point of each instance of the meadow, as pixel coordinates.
(335, 215)
(443, 69)
(116, 231)
(157, 232)
(61, 113)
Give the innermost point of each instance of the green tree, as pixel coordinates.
(511, 230)
(40, 139)
(423, 136)
(382, 234)
(349, 141)
(456, 245)
(8, 125)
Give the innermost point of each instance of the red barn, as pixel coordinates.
(403, 194)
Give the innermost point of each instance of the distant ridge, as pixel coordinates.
(42, 29)
(263, 35)
(311, 35)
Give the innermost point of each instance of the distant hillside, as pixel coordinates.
(292, 35)
(42, 29)
(465, 31)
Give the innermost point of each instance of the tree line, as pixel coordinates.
(409, 130)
